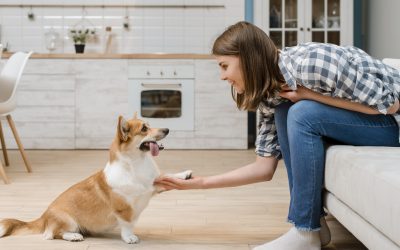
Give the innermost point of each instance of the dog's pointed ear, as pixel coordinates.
(135, 115)
(123, 129)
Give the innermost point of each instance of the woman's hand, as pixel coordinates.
(170, 183)
(304, 93)
(296, 95)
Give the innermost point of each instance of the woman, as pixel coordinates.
(307, 95)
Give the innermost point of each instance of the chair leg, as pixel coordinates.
(3, 146)
(21, 148)
(3, 174)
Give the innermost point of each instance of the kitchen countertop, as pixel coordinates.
(116, 56)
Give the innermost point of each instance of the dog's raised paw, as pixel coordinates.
(131, 239)
(188, 174)
(185, 175)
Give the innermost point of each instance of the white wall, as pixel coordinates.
(383, 28)
(152, 29)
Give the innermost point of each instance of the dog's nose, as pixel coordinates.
(166, 131)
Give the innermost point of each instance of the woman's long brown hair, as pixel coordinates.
(258, 57)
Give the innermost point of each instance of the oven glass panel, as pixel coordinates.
(161, 103)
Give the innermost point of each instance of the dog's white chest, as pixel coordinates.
(132, 180)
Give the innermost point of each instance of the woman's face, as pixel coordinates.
(231, 72)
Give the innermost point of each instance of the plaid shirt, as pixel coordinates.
(344, 72)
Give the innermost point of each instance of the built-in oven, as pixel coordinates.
(163, 95)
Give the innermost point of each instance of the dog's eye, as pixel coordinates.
(144, 128)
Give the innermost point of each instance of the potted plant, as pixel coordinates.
(80, 36)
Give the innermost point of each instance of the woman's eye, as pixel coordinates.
(144, 129)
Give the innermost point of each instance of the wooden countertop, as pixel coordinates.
(117, 56)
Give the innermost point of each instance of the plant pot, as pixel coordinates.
(79, 48)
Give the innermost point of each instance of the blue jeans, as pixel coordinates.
(303, 129)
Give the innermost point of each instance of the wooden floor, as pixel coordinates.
(232, 218)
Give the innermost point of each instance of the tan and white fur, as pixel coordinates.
(112, 197)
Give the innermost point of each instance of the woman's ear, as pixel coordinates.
(123, 129)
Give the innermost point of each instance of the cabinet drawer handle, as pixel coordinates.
(301, 28)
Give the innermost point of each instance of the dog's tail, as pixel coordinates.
(16, 227)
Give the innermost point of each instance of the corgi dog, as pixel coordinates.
(114, 196)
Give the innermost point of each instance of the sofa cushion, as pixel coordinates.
(395, 63)
(367, 179)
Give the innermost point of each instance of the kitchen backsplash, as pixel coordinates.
(154, 26)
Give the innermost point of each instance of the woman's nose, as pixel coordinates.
(223, 76)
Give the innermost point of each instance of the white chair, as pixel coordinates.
(9, 79)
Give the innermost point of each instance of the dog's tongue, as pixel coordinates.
(154, 149)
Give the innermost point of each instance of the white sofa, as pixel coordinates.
(363, 191)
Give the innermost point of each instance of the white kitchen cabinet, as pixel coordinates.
(289, 22)
(101, 96)
(45, 113)
(75, 104)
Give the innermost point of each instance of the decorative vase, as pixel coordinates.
(79, 48)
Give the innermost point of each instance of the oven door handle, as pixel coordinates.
(162, 85)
